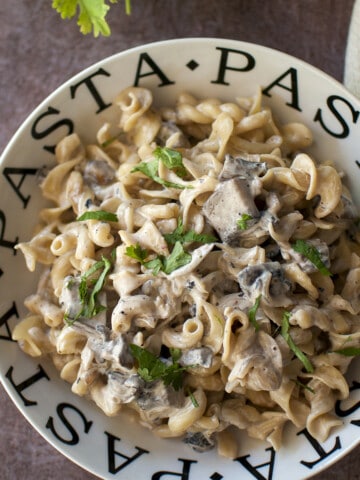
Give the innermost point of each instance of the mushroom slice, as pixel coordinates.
(171, 135)
(201, 357)
(268, 280)
(239, 167)
(199, 441)
(230, 200)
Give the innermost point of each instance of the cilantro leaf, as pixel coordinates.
(137, 253)
(304, 386)
(252, 313)
(179, 235)
(285, 326)
(312, 254)
(89, 288)
(150, 169)
(177, 258)
(242, 222)
(172, 159)
(101, 215)
(193, 400)
(349, 351)
(151, 368)
(91, 14)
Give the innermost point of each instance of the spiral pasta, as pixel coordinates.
(204, 241)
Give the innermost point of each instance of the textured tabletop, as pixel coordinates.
(39, 51)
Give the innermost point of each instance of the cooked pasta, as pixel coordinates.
(200, 269)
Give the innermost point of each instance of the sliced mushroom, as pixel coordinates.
(199, 441)
(153, 395)
(239, 167)
(201, 357)
(268, 280)
(70, 297)
(116, 350)
(230, 200)
(98, 172)
(124, 388)
(171, 135)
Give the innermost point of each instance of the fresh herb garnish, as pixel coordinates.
(137, 253)
(177, 258)
(349, 351)
(91, 15)
(89, 288)
(252, 313)
(242, 222)
(101, 215)
(179, 235)
(151, 368)
(312, 254)
(303, 385)
(285, 326)
(172, 159)
(192, 398)
(110, 140)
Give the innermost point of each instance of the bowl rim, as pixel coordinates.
(168, 42)
(117, 57)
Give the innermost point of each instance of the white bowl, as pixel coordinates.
(207, 68)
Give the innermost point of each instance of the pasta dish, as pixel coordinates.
(200, 270)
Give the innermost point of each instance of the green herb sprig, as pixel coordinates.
(252, 313)
(89, 288)
(151, 368)
(312, 254)
(242, 222)
(91, 14)
(177, 258)
(349, 351)
(182, 236)
(304, 386)
(101, 215)
(285, 327)
(172, 159)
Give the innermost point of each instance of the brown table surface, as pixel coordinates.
(39, 51)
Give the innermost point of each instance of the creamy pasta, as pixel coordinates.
(200, 269)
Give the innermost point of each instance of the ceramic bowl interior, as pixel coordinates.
(115, 447)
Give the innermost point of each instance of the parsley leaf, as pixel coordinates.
(242, 223)
(172, 159)
(252, 313)
(192, 398)
(91, 14)
(101, 215)
(177, 258)
(285, 326)
(179, 235)
(151, 368)
(137, 253)
(312, 254)
(89, 288)
(304, 386)
(349, 351)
